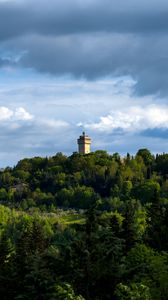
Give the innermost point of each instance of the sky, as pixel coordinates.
(68, 66)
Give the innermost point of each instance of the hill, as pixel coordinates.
(80, 180)
(87, 227)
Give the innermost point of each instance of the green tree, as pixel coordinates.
(148, 158)
(3, 195)
(65, 292)
(129, 224)
(146, 190)
(134, 291)
(155, 222)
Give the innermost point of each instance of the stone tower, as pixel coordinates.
(84, 143)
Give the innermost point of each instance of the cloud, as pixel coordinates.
(5, 113)
(11, 118)
(69, 16)
(90, 39)
(19, 114)
(98, 55)
(23, 135)
(133, 119)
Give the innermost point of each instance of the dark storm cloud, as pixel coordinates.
(67, 16)
(98, 55)
(91, 39)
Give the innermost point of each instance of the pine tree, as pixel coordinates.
(129, 228)
(155, 222)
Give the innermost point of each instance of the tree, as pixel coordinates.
(134, 291)
(148, 158)
(146, 191)
(126, 189)
(155, 222)
(129, 224)
(3, 195)
(65, 292)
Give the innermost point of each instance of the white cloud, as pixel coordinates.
(21, 114)
(15, 118)
(133, 119)
(5, 113)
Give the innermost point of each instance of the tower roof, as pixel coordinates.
(84, 137)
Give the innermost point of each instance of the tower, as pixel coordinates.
(84, 143)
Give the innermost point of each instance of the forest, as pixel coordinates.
(85, 227)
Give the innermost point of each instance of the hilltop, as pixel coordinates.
(79, 180)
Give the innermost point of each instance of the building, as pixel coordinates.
(84, 143)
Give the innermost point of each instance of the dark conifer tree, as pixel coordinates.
(155, 222)
(129, 229)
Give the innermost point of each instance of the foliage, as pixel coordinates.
(133, 292)
(85, 227)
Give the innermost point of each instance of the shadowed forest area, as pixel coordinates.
(85, 227)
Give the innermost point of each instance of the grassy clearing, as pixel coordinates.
(72, 219)
(64, 217)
